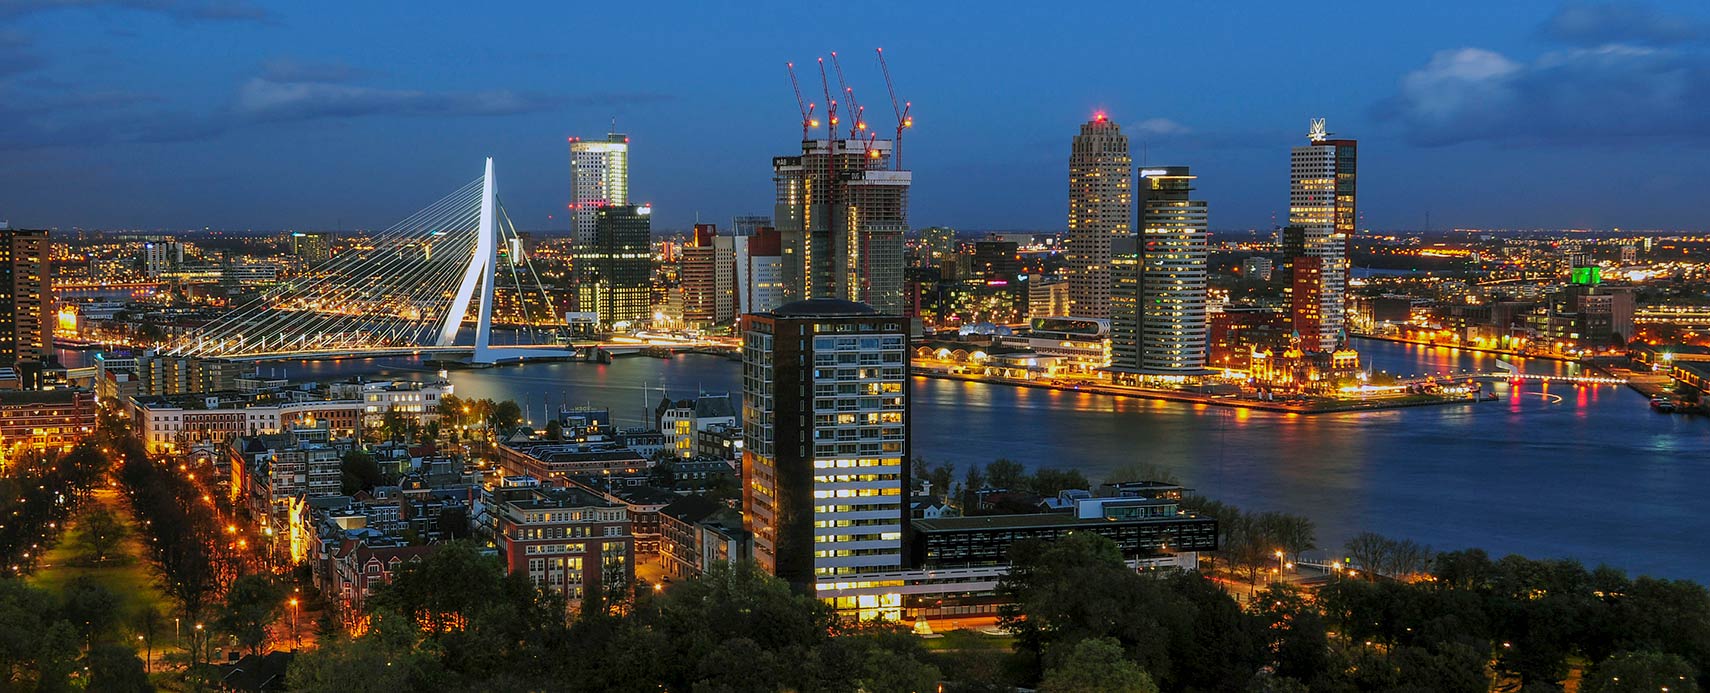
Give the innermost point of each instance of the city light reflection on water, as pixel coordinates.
(1552, 470)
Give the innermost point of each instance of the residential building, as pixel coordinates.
(40, 420)
(599, 177)
(698, 275)
(826, 455)
(1100, 210)
(269, 472)
(1158, 314)
(696, 533)
(26, 304)
(550, 462)
(682, 420)
(175, 422)
(564, 539)
(314, 248)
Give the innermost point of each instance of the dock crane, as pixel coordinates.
(904, 120)
(806, 108)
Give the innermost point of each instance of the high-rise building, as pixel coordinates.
(841, 214)
(1322, 205)
(615, 272)
(599, 177)
(1101, 209)
(26, 304)
(938, 242)
(312, 247)
(756, 280)
(1157, 325)
(698, 276)
(161, 255)
(749, 225)
(825, 465)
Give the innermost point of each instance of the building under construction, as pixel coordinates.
(842, 206)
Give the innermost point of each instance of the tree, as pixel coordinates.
(252, 604)
(386, 659)
(99, 531)
(1641, 672)
(554, 430)
(1006, 474)
(1096, 666)
(116, 668)
(359, 472)
(148, 622)
(504, 416)
(393, 425)
(1050, 482)
(90, 608)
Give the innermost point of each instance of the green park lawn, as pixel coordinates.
(125, 574)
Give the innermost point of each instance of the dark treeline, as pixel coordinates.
(38, 491)
(1470, 624)
(457, 622)
(182, 530)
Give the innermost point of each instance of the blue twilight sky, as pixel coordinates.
(176, 114)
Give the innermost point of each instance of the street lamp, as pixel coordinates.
(1279, 555)
(294, 640)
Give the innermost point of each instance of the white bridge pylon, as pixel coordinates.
(483, 265)
(404, 290)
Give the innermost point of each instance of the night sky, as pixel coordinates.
(240, 114)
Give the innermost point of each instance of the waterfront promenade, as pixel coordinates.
(1301, 405)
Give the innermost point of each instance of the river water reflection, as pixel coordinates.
(1551, 470)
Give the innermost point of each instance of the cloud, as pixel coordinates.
(292, 70)
(1576, 96)
(17, 54)
(268, 100)
(1159, 126)
(183, 10)
(1587, 24)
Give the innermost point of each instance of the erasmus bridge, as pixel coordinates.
(408, 290)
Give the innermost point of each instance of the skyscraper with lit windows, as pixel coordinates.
(1322, 206)
(1158, 318)
(1101, 210)
(825, 465)
(599, 177)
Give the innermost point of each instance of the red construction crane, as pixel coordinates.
(830, 103)
(801, 104)
(904, 120)
(855, 109)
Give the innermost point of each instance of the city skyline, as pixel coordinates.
(230, 118)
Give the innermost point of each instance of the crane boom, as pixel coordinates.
(830, 103)
(904, 120)
(856, 125)
(801, 104)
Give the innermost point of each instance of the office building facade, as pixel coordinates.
(615, 271)
(1322, 204)
(1101, 210)
(599, 177)
(825, 465)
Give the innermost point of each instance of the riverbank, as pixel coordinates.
(1481, 350)
(1320, 406)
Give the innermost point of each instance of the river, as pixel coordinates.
(1550, 470)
